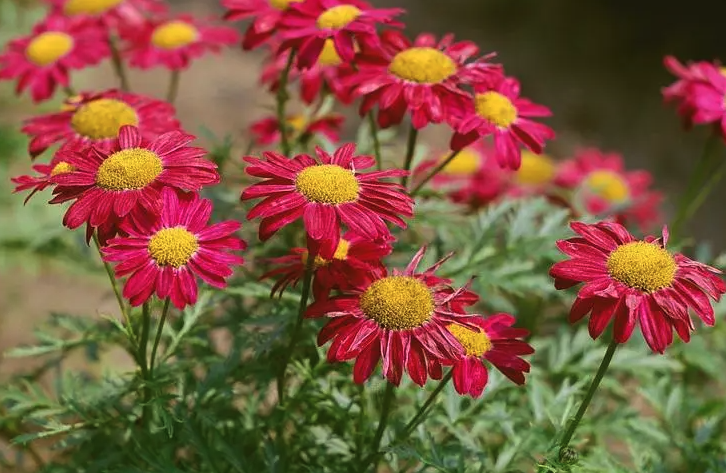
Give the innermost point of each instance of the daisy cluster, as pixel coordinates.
(131, 177)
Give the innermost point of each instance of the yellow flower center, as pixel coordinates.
(722, 70)
(329, 56)
(129, 169)
(475, 342)
(283, 4)
(62, 168)
(338, 17)
(466, 163)
(495, 108)
(297, 122)
(422, 65)
(102, 118)
(89, 7)
(398, 303)
(536, 169)
(174, 34)
(172, 246)
(327, 184)
(48, 47)
(609, 185)
(341, 253)
(642, 265)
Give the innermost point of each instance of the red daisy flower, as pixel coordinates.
(535, 176)
(107, 186)
(95, 119)
(492, 339)
(497, 109)
(175, 42)
(328, 74)
(306, 26)
(605, 188)
(325, 194)
(354, 257)
(41, 62)
(422, 77)
(165, 254)
(112, 13)
(266, 13)
(635, 281)
(267, 130)
(402, 319)
(42, 180)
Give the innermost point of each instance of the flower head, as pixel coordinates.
(535, 176)
(266, 16)
(307, 25)
(111, 13)
(41, 61)
(497, 109)
(267, 130)
(109, 185)
(491, 339)
(165, 254)
(95, 120)
(400, 319)
(41, 181)
(422, 77)
(605, 188)
(635, 281)
(326, 194)
(174, 42)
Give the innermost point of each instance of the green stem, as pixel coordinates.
(388, 397)
(173, 91)
(434, 172)
(159, 331)
(376, 142)
(118, 65)
(142, 360)
(114, 285)
(588, 396)
(294, 338)
(410, 150)
(703, 173)
(361, 422)
(281, 100)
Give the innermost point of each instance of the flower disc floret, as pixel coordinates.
(89, 7)
(466, 163)
(338, 17)
(174, 34)
(173, 246)
(608, 185)
(495, 108)
(102, 118)
(327, 184)
(282, 4)
(341, 253)
(128, 169)
(329, 56)
(62, 168)
(398, 303)
(642, 265)
(422, 65)
(536, 169)
(475, 342)
(48, 47)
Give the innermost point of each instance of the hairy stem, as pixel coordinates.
(159, 331)
(434, 172)
(281, 99)
(114, 285)
(410, 150)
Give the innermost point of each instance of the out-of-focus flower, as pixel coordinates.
(112, 13)
(265, 15)
(41, 181)
(267, 130)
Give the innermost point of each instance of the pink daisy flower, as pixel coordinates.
(95, 119)
(604, 187)
(173, 43)
(41, 181)
(422, 77)
(265, 14)
(41, 62)
(497, 109)
(267, 130)
(635, 281)
(164, 255)
(491, 339)
(112, 13)
(401, 319)
(107, 186)
(306, 26)
(326, 193)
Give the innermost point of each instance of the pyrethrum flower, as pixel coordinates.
(497, 110)
(306, 26)
(41, 181)
(634, 282)
(265, 14)
(173, 43)
(267, 130)
(41, 62)
(603, 187)
(111, 13)
(402, 319)
(535, 176)
(491, 339)
(326, 195)
(165, 255)
(354, 258)
(422, 78)
(107, 186)
(95, 119)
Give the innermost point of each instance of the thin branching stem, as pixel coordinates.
(173, 90)
(434, 172)
(376, 141)
(410, 151)
(114, 285)
(281, 100)
(118, 65)
(159, 331)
